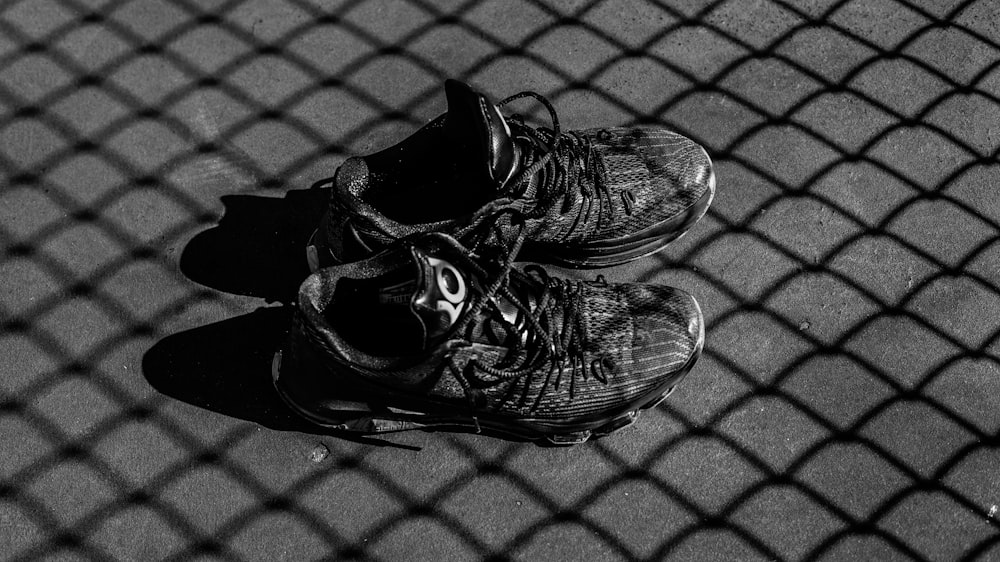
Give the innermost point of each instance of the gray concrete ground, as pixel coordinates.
(156, 159)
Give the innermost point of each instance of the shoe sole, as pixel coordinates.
(370, 417)
(609, 253)
(365, 419)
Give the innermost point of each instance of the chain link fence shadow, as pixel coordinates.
(158, 166)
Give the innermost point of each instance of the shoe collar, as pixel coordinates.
(348, 188)
(317, 291)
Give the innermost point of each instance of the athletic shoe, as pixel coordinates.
(593, 198)
(428, 335)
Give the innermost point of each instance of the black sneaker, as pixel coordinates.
(428, 335)
(593, 198)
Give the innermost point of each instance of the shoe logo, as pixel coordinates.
(602, 367)
(451, 291)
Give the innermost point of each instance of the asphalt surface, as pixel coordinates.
(156, 163)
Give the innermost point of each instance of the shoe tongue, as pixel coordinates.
(493, 330)
(437, 296)
(476, 128)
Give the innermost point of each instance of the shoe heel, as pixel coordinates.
(343, 415)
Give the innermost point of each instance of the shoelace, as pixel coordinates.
(553, 326)
(561, 160)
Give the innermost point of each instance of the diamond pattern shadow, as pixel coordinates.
(845, 404)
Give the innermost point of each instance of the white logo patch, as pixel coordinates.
(450, 288)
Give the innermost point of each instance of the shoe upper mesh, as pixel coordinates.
(664, 172)
(642, 329)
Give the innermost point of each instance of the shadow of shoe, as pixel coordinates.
(258, 247)
(225, 367)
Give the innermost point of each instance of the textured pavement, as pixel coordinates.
(156, 164)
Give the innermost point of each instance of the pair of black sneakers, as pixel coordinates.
(415, 318)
